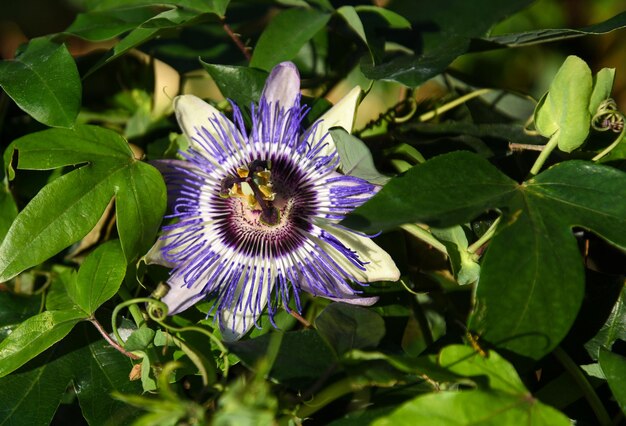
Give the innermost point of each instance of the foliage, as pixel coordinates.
(506, 216)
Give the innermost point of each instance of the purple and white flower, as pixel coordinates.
(256, 213)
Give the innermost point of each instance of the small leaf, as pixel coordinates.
(602, 88)
(34, 336)
(348, 327)
(613, 329)
(99, 277)
(614, 368)
(464, 265)
(352, 18)
(565, 109)
(355, 157)
(243, 85)
(43, 81)
(285, 35)
(393, 19)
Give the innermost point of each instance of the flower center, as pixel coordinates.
(253, 184)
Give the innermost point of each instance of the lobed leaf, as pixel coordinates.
(532, 282)
(66, 209)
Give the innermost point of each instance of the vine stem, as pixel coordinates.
(328, 395)
(473, 248)
(453, 104)
(112, 342)
(235, 38)
(610, 147)
(590, 394)
(543, 156)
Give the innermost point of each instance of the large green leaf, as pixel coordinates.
(14, 309)
(95, 368)
(66, 209)
(34, 336)
(99, 277)
(532, 282)
(499, 398)
(438, 36)
(43, 81)
(285, 35)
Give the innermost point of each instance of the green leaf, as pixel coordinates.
(602, 88)
(41, 386)
(99, 277)
(285, 35)
(8, 210)
(352, 18)
(444, 33)
(565, 109)
(394, 20)
(473, 407)
(613, 329)
(355, 157)
(107, 24)
(14, 310)
(34, 336)
(465, 361)
(243, 85)
(66, 209)
(95, 368)
(531, 283)
(217, 7)
(153, 27)
(549, 35)
(43, 81)
(614, 368)
(348, 327)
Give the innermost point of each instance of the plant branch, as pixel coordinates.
(111, 341)
(235, 38)
(545, 153)
(588, 391)
(453, 104)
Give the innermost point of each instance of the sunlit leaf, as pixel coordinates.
(531, 283)
(355, 157)
(34, 336)
(565, 109)
(285, 35)
(43, 81)
(65, 210)
(99, 277)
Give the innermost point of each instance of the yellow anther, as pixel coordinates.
(243, 172)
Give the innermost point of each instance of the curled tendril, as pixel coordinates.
(157, 312)
(608, 117)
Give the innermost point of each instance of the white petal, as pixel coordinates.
(180, 297)
(340, 115)
(380, 266)
(155, 254)
(193, 113)
(239, 318)
(283, 85)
